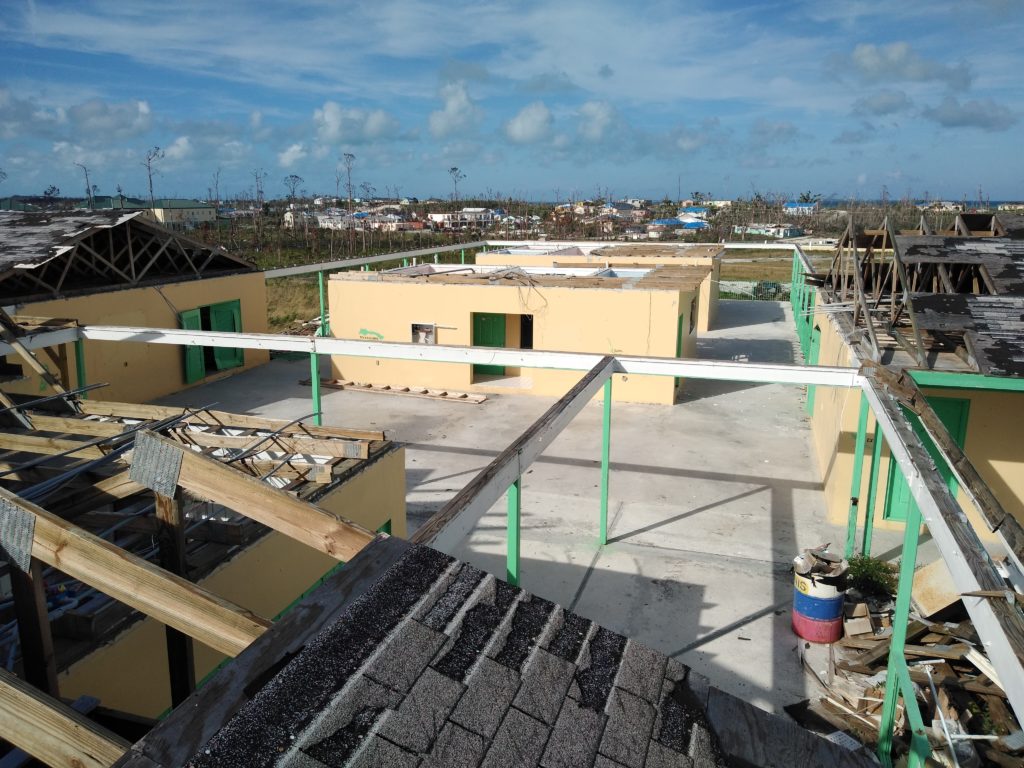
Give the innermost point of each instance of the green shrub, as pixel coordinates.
(871, 576)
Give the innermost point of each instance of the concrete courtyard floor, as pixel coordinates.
(710, 500)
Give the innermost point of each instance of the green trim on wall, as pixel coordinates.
(954, 380)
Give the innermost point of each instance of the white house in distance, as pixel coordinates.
(465, 219)
(800, 209)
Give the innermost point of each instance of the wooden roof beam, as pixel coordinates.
(51, 731)
(209, 479)
(135, 582)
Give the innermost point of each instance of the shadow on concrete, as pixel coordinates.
(735, 313)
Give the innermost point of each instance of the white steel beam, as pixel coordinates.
(718, 370)
(326, 266)
(460, 516)
(1000, 624)
(43, 339)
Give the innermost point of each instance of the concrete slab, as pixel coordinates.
(710, 500)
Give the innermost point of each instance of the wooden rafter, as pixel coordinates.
(135, 582)
(51, 731)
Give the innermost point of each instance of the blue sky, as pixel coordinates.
(537, 100)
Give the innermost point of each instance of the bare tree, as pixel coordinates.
(349, 160)
(291, 183)
(88, 186)
(216, 188)
(151, 157)
(457, 176)
(259, 176)
(3, 175)
(50, 194)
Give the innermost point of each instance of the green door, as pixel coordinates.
(227, 316)
(952, 412)
(195, 367)
(488, 331)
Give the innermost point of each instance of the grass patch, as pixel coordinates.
(291, 300)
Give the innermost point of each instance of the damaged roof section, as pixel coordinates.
(436, 663)
(49, 254)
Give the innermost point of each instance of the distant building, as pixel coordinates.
(799, 209)
(695, 211)
(173, 213)
(768, 230)
(467, 218)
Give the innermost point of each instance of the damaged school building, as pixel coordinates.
(305, 624)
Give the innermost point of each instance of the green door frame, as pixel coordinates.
(954, 413)
(488, 331)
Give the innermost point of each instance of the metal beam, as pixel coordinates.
(458, 517)
(1000, 625)
(766, 373)
(327, 266)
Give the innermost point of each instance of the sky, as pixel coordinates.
(537, 100)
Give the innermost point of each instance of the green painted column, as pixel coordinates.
(314, 381)
(606, 444)
(858, 474)
(323, 304)
(462, 256)
(897, 663)
(512, 553)
(405, 262)
(869, 510)
(435, 258)
(80, 380)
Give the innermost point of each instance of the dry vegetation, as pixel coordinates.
(291, 300)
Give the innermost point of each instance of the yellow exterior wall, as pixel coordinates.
(992, 443)
(138, 373)
(708, 312)
(603, 321)
(131, 673)
(373, 497)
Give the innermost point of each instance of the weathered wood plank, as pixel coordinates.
(37, 658)
(170, 537)
(51, 731)
(29, 443)
(142, 585)
(301, 445)
(278, 509)
(223, 419)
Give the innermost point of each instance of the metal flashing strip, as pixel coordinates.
(17, 530)
(156, 464)
(327, 266)
(572, 361)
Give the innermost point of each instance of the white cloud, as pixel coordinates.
(291, 155)
(336, 124)
(180, 149)
(458, 115)
(596, 118)
(98, 119)
(898, 61)
(977, 113)
(887, 101)
(530, 125)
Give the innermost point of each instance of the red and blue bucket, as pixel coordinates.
(818, 606)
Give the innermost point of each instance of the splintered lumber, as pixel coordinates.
(222, 419)
(301, 445)
(324, 531)
(121, 575)
(865, 661)
(51, 731)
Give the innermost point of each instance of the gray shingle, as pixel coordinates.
(491, 688)
(519, 742)
(628, 731)
(406, 654)
(380, 753)
(423, 712)
(456, 748)
(604, 762)
(574, 739)
(545, 681)
(359, 694)
(641, 671)
(659, 756)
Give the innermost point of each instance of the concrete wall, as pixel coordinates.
(992, 443)
(707, 313)
(603, 321)
(138, 373)
(131, 673)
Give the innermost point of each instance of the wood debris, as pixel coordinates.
(398, 389)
